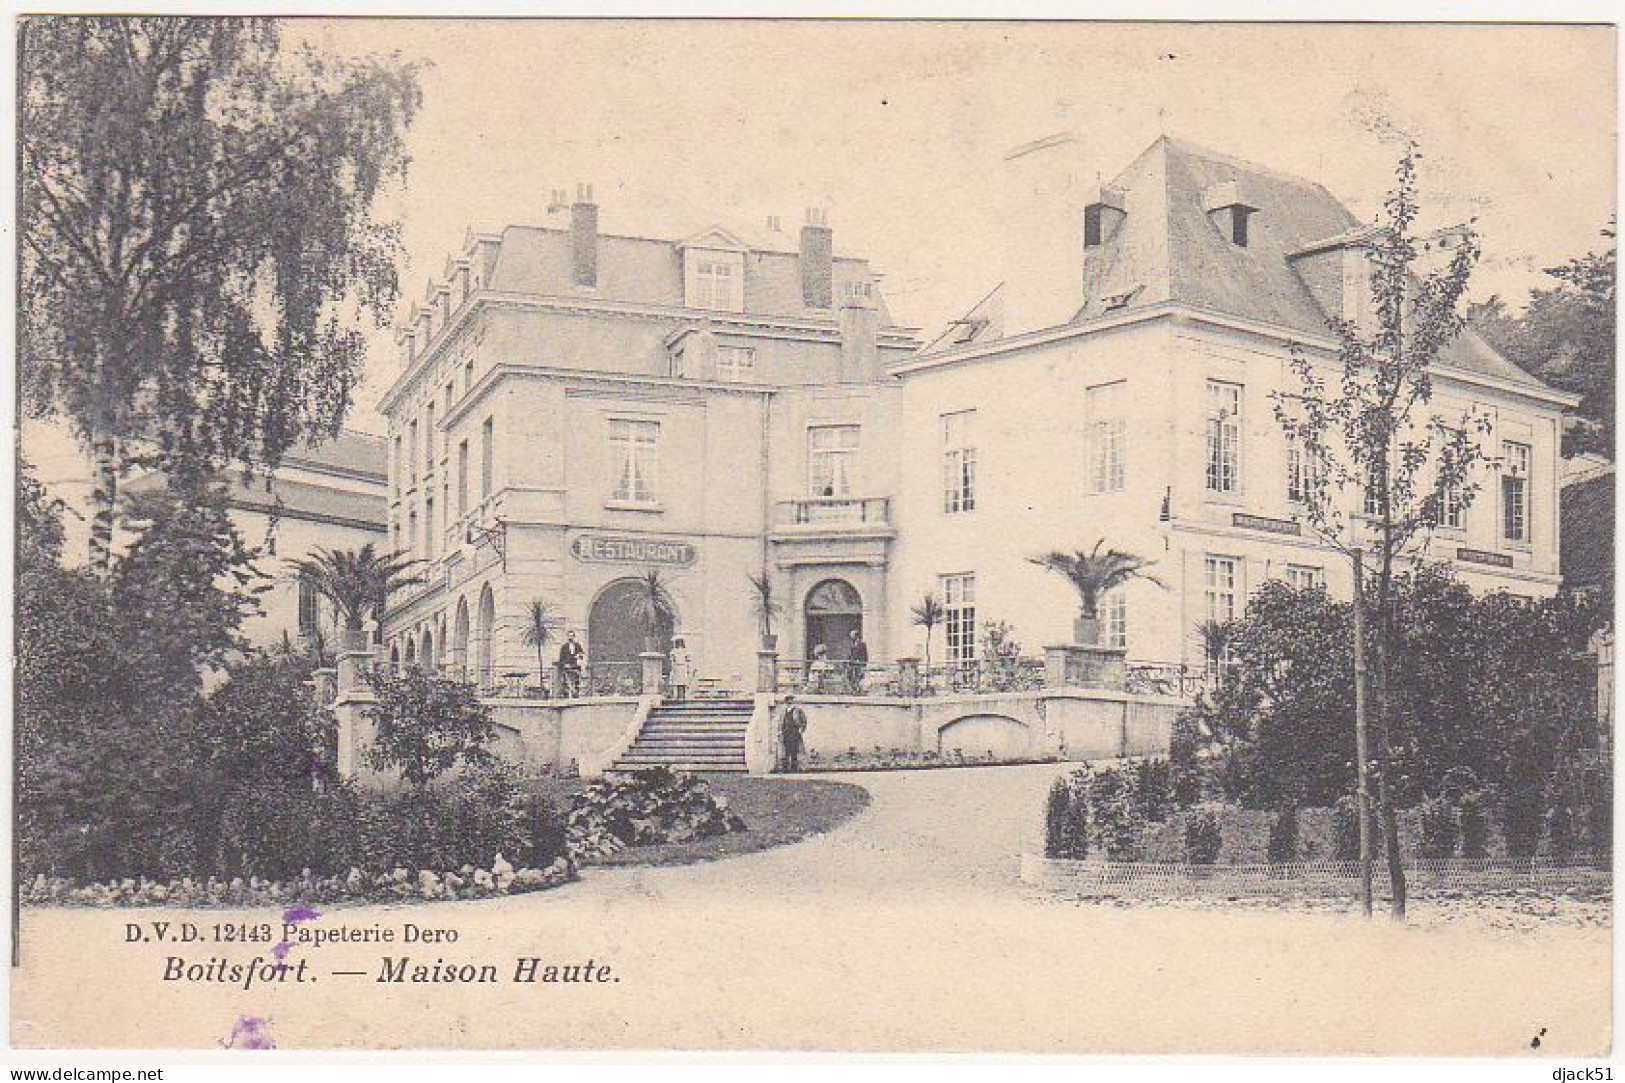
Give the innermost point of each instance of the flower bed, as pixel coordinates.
(354, 886)
(646, 807)
(903, 759)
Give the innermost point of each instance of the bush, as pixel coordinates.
(1440, 833)
(1185, 769)
(1114, 809)
(1475, 827)
(645, 807)
(1203, 838)
(1600, 818)
(1283, 844)
(1057, 817)
(425, 725)
(1153, 781)
(1346, 828)
(1561, 836)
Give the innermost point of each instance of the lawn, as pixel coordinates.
(776, 811)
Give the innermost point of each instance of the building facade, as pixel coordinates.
(578, 408)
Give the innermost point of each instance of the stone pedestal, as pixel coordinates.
(354, 665)
(324, 684)
(767, 670)
(1075, 665)
(908, 676)
(653, 671)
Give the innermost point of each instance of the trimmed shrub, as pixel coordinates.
(1185, 769)
(1057, 812)
(1475, 827)
(1346, 828)
(1283, 844)
(1153, 780)
(1203, 838)
(1440, 833)
(1114, 809)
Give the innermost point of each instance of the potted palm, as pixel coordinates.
(358, 583)
(927, 613)
(542, 624)
(651, 604)
(766, 605)
(1093, 575)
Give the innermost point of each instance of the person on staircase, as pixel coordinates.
(682, 669)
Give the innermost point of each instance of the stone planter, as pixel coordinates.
(1076, 665)
(1086, 631)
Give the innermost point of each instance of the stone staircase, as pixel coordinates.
(692, 735)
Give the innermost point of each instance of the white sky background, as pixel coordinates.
(900, 130)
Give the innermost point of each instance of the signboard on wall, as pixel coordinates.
(611, 549)
(1478, 556)
(1272, 526)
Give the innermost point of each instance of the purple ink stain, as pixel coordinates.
(250, 1032)
(292, 916)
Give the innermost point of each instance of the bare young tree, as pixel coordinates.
(1370, 432)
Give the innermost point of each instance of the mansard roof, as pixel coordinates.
(1169, 250)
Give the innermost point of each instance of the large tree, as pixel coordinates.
(1565, 335)
(1378, 468)
(199, 260)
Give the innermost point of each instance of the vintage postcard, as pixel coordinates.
(796, 535)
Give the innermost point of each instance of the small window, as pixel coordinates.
(1219, 579)
(1305, 577)
(307, 606)
(1238, 226)
(636, 447)
(1092, 226)
(832, 459)
(735, 363)
(1117, 619)
(959, 461)
(1515, 492)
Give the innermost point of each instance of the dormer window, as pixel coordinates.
(1101, 217)
(1092, 225)
(716, 285)
(1227, 208)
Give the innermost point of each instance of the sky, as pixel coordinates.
(902, 132)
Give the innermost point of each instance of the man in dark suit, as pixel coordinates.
(792, 728)
(857, 660)
(572, 656)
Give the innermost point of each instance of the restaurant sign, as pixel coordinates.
(608, 549)
(1478, 556)
(1272, 526)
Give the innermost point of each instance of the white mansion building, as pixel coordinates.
(578, 407)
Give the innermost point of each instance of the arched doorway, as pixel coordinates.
(616, 631)
(484, 630)
(834, 610)
(428, 650)
(459, 642)
(411, 651)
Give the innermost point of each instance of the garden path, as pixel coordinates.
(904, 928)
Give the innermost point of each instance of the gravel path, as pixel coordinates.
(902, 929)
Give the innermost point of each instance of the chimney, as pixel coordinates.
(817, 260)
(860, 328)
(1337, 272)
(584, 237)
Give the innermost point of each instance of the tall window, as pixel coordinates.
(1117, 619)
(400, 465)
(959, 461)
(462, 479)
(468, 374)
(1452, 509)
(959, 616)
(428, 528)
(735, 364)
(1223, 437)
(1515, 492)
(412, 452)
(412, 534)
(307, 606)
(832, 460)
(1301, 472)
(428, 441)
(488, 451)
(636, 447)
(1107, 427)
(1305, 577)
(1219, 578)
(1373, 493)
(716, 284)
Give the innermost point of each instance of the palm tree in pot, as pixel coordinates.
(1094, 574)
(927, 613)
(766, 605)
(652, 604)
(542, 623)
(358, 583)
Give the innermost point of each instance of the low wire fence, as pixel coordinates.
(1151, 879)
